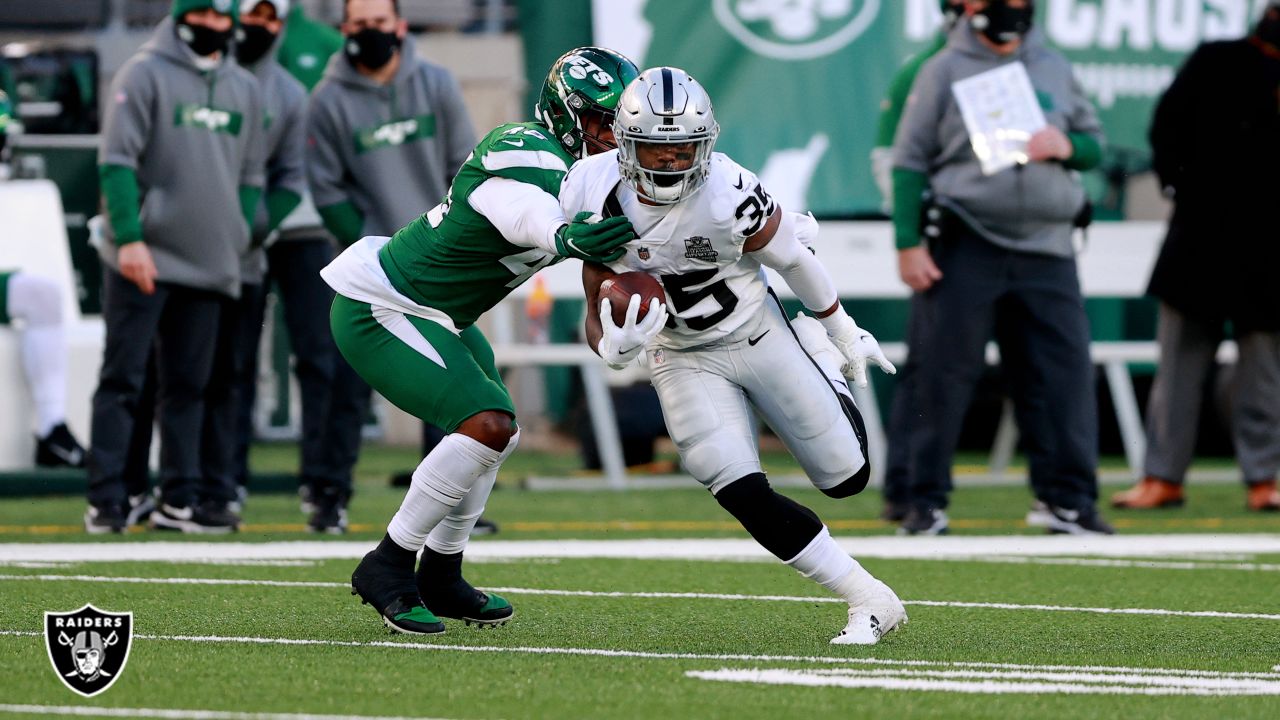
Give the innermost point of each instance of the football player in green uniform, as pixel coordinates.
(404, 318)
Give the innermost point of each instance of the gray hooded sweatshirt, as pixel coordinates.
(285, 103)
(1029, 208)
(193, 138)
(391, 150)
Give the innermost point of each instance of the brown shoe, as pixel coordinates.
(1263, 496)
(1150, 493)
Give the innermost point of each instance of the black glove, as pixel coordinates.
(598, 242)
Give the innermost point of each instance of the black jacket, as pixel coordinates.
(1215, 140)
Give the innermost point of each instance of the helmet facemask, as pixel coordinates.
(665, 109)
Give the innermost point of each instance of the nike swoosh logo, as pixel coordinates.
(738, 185)
(624, 352)
(515, 143)
(71, 457)
(752, 341)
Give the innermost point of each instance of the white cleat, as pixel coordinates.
(881, 613)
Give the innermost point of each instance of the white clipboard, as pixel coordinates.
(1001, 113)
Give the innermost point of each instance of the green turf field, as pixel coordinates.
(1179, 617)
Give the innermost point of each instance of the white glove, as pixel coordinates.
(857, 345)
(620, 345)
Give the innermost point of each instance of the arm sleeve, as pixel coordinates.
(119, 186)
(797, 264)
(286, 169)
(280, 202)
(249, 197)
(456, 128)
(325, 167)
(126, 127)
(1084, 130)
(908, 200)
(343, 220)
(525, 214)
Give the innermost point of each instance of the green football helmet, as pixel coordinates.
(580, 94)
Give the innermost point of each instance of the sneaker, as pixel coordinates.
(140, 508)
(242, 496)
(457, 599)
(875, 615)
(59, 449)
(1064, 521)
(924, 521)
(328, 519)
(1263, 496)
(306, 501)
(102, 520)
(1150, 493)
(484, 527)
(207, 519)
(894, 512)
(393, 592)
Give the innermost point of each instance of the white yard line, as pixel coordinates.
(718, 657)
(83, 711)
(660, 595)
(1134, 682)
(957, 546)
(1142, 564)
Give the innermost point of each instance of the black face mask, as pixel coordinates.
(371, 48)
(951, 14)
(203, 40)
(252, 42)
(1003, 24)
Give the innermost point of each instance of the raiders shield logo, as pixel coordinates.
(88, 647)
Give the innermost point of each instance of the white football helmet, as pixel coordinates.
(665, 106)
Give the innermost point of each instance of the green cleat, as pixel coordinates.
(392, 592)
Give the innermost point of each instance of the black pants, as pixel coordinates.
(1031, 304)
(224, 453)
(182, 324)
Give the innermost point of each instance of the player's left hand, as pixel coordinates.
(620, 345)
(857, 345)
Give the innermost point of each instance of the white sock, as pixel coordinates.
(451, 535)
(44, 357)
(37, 302)
(823, 562)
(440, 482)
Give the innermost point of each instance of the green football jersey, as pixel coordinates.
(452, 258)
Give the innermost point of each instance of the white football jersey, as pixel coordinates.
(693, 247)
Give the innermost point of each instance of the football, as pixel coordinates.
(621, 287)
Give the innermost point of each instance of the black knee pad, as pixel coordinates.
(851, 486)
(781, 525)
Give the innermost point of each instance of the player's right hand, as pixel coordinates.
(917, 269)
(137, 266)
(599, 242)
(620, 345)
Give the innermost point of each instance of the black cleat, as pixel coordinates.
(447, 594)
(924, 521)
(1064, 521)
(328, 518)
(59, 449)
(392, 592)
(100, 520)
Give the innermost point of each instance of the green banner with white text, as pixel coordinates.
(797, 84)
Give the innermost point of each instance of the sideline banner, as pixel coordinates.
(797, 84)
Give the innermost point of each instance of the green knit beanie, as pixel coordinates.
(226, 7)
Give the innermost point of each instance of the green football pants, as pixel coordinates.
(418, 365)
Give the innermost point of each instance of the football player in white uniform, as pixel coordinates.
(725, 348)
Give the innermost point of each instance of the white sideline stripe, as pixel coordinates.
(908, 547)
(995, 683)
(649, 655)
(660, 595)
(1143, 564)
(83, 711)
